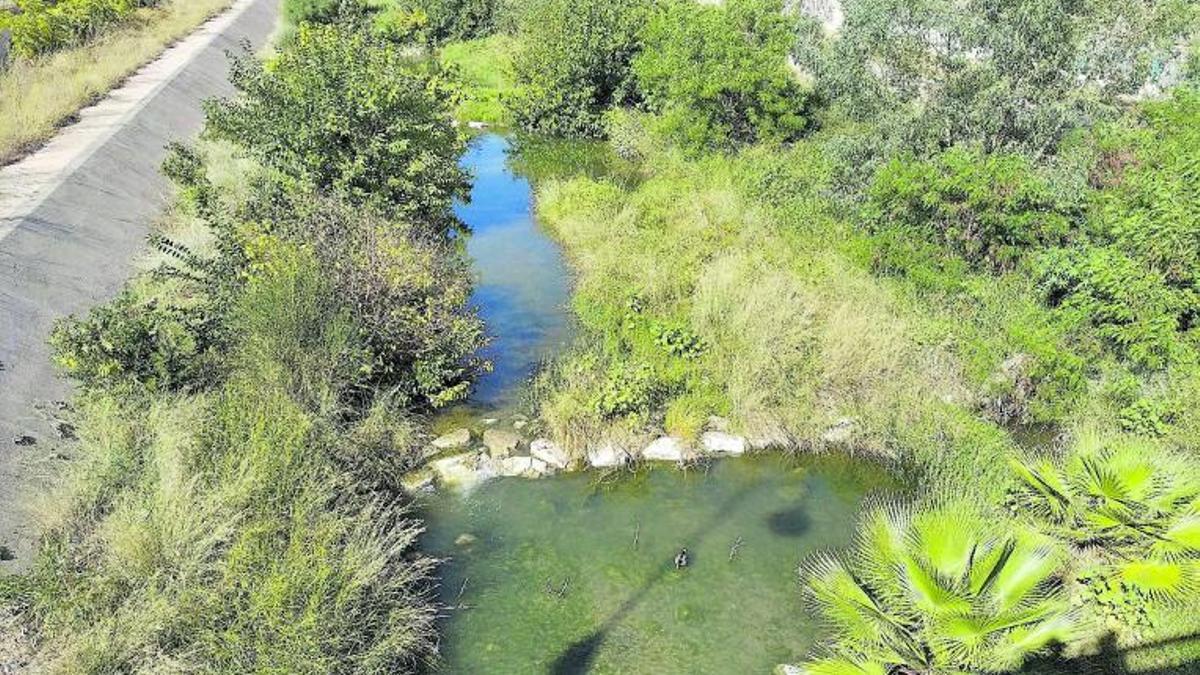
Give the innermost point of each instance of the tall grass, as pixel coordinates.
(39, 95)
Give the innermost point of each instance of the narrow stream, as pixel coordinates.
(574, 573)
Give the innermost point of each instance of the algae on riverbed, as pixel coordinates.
(574, 573)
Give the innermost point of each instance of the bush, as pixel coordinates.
(345, 114)
(575, 61)
(719, 74)
(990, 209)
(42, 26)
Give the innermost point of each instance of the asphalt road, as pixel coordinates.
(69, 242)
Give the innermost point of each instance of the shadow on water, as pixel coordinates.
(578, 658)
(1111, 659)
(793, 522)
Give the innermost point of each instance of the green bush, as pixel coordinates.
(719, 74)
(344, 113)
(574, 62)
(990, 209)
(42, 26)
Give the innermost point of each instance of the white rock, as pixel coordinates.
(607, 455)
(477, 125)
(461, 471)
(549, 452)
(501, 443)
(788, 669)
(721, 443)
(666, 449)
(526, 467)
(489, 421)
(520, 424)
(459, 438)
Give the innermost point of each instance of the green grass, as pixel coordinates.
(38, 96)
(485, 68)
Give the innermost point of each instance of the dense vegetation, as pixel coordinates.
(956, 235)
(40, 26)
(249, 404)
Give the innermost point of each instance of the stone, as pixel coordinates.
(459, 471)
(477, 125)
(65, 430)
(721, 443)
(421, 480)
(459, 438)
(523, 466)
(607, 455)
(520, 424)
(787, 669)
(666, 449)
(550, 452)
(716, 423)
(24, 440)
(465, 539)
(500, 443)
(840, 433)
(489, 421)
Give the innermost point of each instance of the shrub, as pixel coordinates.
(989, 209)
(43, 26)
(574, 62)
(719, 74)
(345, 114)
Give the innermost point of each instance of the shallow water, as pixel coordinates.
(522, 286)
(569, 575)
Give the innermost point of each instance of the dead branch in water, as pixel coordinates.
(733, 550)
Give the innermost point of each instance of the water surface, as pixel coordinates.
(571, 575)
(522, 285)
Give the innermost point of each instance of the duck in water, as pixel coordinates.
(681, 559)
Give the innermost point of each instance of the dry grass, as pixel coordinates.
(39, 96)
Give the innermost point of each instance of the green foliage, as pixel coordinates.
(451, 20)
(136, 341)
(940, 589)
(1134, 502)
(1138, 281)
(484, 69)
(719, 75)
(989, 209)
(314, 11)
(43, 26)
(345, 114)
(574, 62)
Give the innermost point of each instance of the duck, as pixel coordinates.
(681, 559)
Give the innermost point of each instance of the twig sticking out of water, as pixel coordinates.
(637, 535)
(735, 549)
(562, 592)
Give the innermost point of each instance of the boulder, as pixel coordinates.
(459, 438)
(465, 539)
(459, 471)
(477, 125)
(500, 443)
(521, 465)
(666, 449)
(607, 455)
(549, 452)
(420, 480)
(787, 669)
(721, 443)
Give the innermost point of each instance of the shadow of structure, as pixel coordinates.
(578, 658)
(1111, 659)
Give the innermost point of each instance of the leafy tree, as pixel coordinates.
(574, 63)
(459, 19)
(341, 112)
(719, 74)
(1132, 503)
(937, 590)
(988, 208)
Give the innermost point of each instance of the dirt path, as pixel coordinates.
(72, 217)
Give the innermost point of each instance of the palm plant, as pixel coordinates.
(944, 589)
(1134, 504)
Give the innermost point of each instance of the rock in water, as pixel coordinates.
(607, 455)
(460, 471)
(666, 449)
(549, 452)
(721, 443)
(459, 438)
(464, 539)
(500, 443)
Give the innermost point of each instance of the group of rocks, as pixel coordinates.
(462, 458)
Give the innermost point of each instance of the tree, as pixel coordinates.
(347, 114)
(719, 74)
(937, 590)
(1132, 503)
(575, 62)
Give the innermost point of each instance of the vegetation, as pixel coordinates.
(40, 94)
(39, 26)
(250, 403)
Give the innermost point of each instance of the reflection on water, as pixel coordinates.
(567, 575)
(522, 288)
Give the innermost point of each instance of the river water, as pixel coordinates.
(574, 573)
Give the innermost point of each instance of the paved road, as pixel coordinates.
(72, 218)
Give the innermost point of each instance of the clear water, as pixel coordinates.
(572, 574)
(522, 285)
